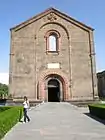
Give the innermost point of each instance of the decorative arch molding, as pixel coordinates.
(46, 74)
(59, 24)
(56, 35)
(49, 32)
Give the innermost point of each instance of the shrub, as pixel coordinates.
(97, 110)
(9, 118)
(3, 90)
(3, 108)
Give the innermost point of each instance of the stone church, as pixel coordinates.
(52, 58)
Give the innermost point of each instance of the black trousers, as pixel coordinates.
(25, 115)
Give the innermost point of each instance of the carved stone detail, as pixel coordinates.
(51, 17)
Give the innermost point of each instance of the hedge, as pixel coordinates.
(9, 118)
(97, 110)
(2, 108)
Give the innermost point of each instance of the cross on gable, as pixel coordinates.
(51, 17)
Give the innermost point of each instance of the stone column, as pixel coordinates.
(35, 78)
(11, 67)
(70, 77)
(93, 65)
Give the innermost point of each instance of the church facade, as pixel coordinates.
(52, 58)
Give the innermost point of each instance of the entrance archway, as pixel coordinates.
(53, 90)
(46, 76)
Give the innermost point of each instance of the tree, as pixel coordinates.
(3, 90)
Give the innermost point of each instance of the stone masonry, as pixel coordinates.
(29, 58)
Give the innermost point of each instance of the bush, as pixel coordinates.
(9, 118)
(2, 108)
(3, 91)
(97, 110)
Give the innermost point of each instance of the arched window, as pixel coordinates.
(52, 43)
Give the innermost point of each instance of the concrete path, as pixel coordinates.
(58, 121)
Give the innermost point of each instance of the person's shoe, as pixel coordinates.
(24, 122)
(28, 120)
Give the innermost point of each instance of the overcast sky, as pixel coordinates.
(90, 12)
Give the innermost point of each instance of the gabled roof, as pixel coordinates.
(57, 12)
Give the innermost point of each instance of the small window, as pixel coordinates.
(52, 43)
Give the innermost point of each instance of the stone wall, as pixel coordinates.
(101, 84)
(28, 58)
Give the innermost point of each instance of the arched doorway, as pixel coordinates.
(43, 85)
(53, 90)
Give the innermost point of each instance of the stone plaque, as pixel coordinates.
(53, 65)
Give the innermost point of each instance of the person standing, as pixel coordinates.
(25, 108)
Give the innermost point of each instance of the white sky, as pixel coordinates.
(4, 78)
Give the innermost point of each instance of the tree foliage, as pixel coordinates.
(3, 90)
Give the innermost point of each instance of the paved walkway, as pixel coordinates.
(58, 121)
